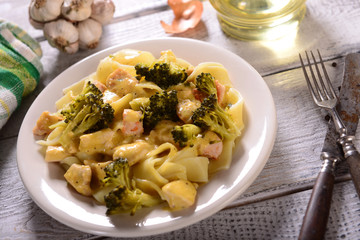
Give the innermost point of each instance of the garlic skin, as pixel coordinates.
(102, 11)
(90, 32)
(45, 10)
(76, 10)
(63, 35)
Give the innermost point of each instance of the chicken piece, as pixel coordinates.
(179, 194)
(97, 142)
(121, 82)
(132, 124)
(79, 176)
(185, 109)
(97, 170)
(211, 145)
(42, 124)
(55, 154)
(133, 152)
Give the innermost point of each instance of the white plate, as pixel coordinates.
(47, 187)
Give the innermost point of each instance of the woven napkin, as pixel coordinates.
(20, 67)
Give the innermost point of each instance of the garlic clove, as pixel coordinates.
(76, 10)
(63, 35)
(36, 24)
(72, 48)
(45, 10)
(103, 11)
(90, 32)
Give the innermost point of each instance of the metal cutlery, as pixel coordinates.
(320, 87)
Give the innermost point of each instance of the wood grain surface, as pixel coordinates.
(274, 205)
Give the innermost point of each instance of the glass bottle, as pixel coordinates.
(259, 19)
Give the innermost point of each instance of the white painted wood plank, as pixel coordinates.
(293, 164)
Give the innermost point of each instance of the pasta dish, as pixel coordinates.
(142, 131)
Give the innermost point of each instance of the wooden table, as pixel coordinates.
(274, 205)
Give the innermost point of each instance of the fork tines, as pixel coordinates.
(320, 89)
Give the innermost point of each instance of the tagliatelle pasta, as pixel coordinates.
(160, 164)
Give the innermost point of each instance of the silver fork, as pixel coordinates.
(322, 91)
(323, 94)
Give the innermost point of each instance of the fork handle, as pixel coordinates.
(353, 159)
(317, 212)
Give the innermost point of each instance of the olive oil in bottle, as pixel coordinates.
(259, 19)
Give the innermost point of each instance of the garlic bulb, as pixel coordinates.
(102, 11)
(71, 24)
(45, 10)
(62, 35)
(76, 10)
(90, 32)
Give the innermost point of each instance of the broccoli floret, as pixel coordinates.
(85, 114)
(185, 134)
(162, 106)
(206, 84)
(117, 173)
(210, 116)
(121, 200)
(124, 196)
(163, 74)
(78, 102)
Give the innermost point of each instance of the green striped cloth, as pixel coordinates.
(20, 67)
